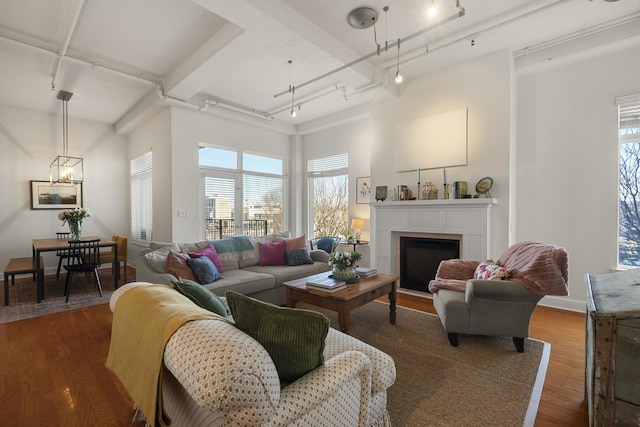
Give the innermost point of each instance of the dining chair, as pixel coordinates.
(86, 259)
(107, 256)
(63, 253)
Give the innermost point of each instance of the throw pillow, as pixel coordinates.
(201, 296)
(204, 269)
(177, 265)
(273, 253)
(294, 338)
(298, 242)
(209, 252)
(298, 256)
(489, 270)
(326, 244)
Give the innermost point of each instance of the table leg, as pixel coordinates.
(392, 304)
(39, 278)
(288, 299)
(344, 318)
(6, 289)
(116, 274)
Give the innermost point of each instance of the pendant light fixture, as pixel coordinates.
(398, 75)
(432, 10)
(292, 89)
(66, 169)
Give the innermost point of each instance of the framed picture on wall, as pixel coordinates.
(363, 190)
(48, 195)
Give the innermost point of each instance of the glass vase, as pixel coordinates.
(75, 227)
(348, 274)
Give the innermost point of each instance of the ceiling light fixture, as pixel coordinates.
(398, 75)
(292, 89)
(66, 169)
(432, 10)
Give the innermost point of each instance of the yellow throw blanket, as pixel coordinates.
(144, 319)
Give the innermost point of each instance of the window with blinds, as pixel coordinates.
(328, 183)
(141, 198)
(629, 181)
(241, 199)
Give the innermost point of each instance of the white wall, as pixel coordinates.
(481, 85)
(567, 161)
(29, 142)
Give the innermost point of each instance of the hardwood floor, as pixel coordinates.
(53, 373)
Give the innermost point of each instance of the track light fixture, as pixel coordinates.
(432, 10)
(292, 89)
(398, 75)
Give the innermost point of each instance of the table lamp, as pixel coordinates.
(357, 224)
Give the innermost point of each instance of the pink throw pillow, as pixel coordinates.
(489, 270)
(210, 253)
(177, 265)
(273, 253)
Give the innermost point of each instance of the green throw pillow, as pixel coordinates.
(294, 338)
(200, 295)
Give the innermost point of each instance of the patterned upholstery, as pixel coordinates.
(217, 375)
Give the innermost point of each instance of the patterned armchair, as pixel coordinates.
(215, 374)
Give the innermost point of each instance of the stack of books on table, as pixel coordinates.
(366, 272)
(326, 284)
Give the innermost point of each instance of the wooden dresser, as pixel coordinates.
(613, 348)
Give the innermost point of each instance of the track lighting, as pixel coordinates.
(432, 10)
(398, 75)
(292, 89)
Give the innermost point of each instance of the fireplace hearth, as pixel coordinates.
(420, 258)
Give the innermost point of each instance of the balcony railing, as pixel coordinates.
(223, 228)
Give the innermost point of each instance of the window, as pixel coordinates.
(255, 187)
(141, 197)
(629, 186)
(328, 203)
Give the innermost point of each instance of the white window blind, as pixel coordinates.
(337, 164)
(141, 198)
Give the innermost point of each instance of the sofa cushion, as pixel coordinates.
(298, 256)
(242, 280)
(204, 269)
(284, 273)
(177, 265)
(274, 237)
(489, 270)
(294, 338)
(298, 242)
(157, 257)
(209, 252)
(255, 258)
(201, 296)
(273, 253)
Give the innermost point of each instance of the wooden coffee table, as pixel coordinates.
(345, 300)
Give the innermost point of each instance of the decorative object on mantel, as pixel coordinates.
(344, 265)
(66, 169)
(381, 193)
(74, 218)
(484, 185)
(429, 191)
(459, 189)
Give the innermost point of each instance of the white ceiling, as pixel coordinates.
(125, 59)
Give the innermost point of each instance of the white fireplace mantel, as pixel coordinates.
(467, 219)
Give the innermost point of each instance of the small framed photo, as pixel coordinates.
(363, 190)
(48, 195)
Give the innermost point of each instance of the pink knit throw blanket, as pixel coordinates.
(539, 267)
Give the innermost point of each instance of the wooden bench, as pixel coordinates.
(19, 266)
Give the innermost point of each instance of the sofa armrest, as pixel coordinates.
(499, 290)
(319, 255)
(348, 372)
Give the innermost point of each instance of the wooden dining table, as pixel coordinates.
(55, 244)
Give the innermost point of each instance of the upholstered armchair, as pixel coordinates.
(327, 244)
(486, 298)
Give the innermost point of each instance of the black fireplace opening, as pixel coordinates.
(420, 258)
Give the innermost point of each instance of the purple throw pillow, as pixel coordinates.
(273, 253)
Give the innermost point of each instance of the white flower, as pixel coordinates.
(74, 215)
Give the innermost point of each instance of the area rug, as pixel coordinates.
(84, 293)
(482, 382)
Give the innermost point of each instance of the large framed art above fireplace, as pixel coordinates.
(455, 228)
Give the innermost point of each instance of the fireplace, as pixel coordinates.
(466, 221)
(420, 258)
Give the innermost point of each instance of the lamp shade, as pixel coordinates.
(357, 223)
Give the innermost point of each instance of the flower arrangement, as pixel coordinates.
(73, 215)
(343, 260)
